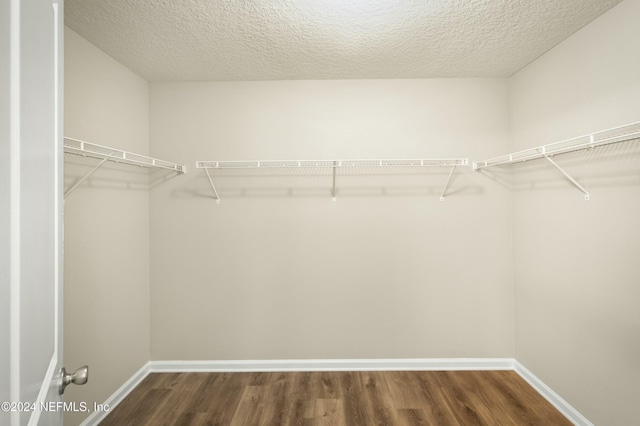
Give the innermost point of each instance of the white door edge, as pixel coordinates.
(49, 378)
(14, 233)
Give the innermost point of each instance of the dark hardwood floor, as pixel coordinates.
(335, 398)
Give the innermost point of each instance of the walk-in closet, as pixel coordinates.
(364, 212)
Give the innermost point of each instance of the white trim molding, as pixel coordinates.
(405, 364)
(408, 364)
(556, 400)
(118, 396)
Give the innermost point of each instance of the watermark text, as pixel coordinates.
(53, 406)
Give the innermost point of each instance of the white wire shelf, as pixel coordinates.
(610, 136)
(331, 164)
(105, 153)
(605, 137)
(440, 162)
(88, 149)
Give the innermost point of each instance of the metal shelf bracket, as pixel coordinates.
(87, 176)
(213, 187)
(568, 176)
(446, 185)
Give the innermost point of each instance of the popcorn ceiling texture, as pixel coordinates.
(199, 40)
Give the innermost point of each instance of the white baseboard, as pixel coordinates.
(417, 364)
(412, 364)
(556, 400)
(118, 396)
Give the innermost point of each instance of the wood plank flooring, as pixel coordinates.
(335, 398)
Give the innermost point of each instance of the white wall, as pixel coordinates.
(278, 271)
(106, 226)
(576, 261)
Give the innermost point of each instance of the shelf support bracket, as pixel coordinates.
(215, 193)
(446, 185)
(333, 189)
(87, 176)
(572, 180)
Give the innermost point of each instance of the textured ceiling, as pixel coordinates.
(195, 40)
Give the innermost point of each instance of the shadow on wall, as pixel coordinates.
(318, 183)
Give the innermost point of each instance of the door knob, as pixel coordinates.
(80, 377)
